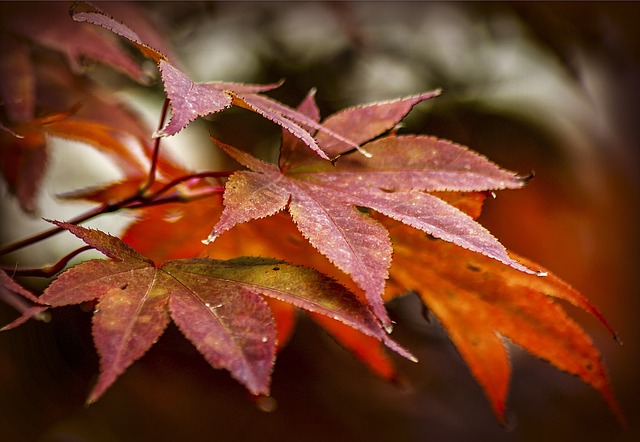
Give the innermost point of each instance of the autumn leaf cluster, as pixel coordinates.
(351, 215)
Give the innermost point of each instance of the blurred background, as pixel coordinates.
(548, 87)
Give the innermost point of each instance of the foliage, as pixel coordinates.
(359, 194)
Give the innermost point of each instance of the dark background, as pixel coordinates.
(551, 87)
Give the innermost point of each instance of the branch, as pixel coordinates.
(105, 208)
(137, 200)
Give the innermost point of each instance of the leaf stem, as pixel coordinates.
(135, 201)
(138, 200)
(182, 179)
(46, 271)
(156, 152)
(176, 198)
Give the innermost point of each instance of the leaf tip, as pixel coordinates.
(524, 179)
(616, 337)
(95, 394)
(265, 403)
(400, 350)
(211, 238)
(10, 132)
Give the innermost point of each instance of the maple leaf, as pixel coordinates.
(27, 87)
(48, 25)
(85, 12)
(322, 198)
(190, 100)
(479, 300)
(218, 305)
(181, 228)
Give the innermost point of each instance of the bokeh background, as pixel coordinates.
(551, 87)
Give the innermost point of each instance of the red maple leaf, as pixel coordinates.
(68, 107)
(324, 199)
(190, 100)
(181, 228)
(218, 305)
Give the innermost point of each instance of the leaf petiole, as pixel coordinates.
(156, 152)
(49, 270)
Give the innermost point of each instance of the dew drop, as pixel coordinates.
(264, 339)
(364, 152)
(207, 305)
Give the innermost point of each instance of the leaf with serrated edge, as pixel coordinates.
(275, 236)
(303, 287)
(190, 100)
(354, 243)
(322, 204)
(414, 162)
(128, 321)
(229, 323)
(131, 313)
(477, 299)
(365, 122)
(216, 304)
(85, 12)
(292, 150)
